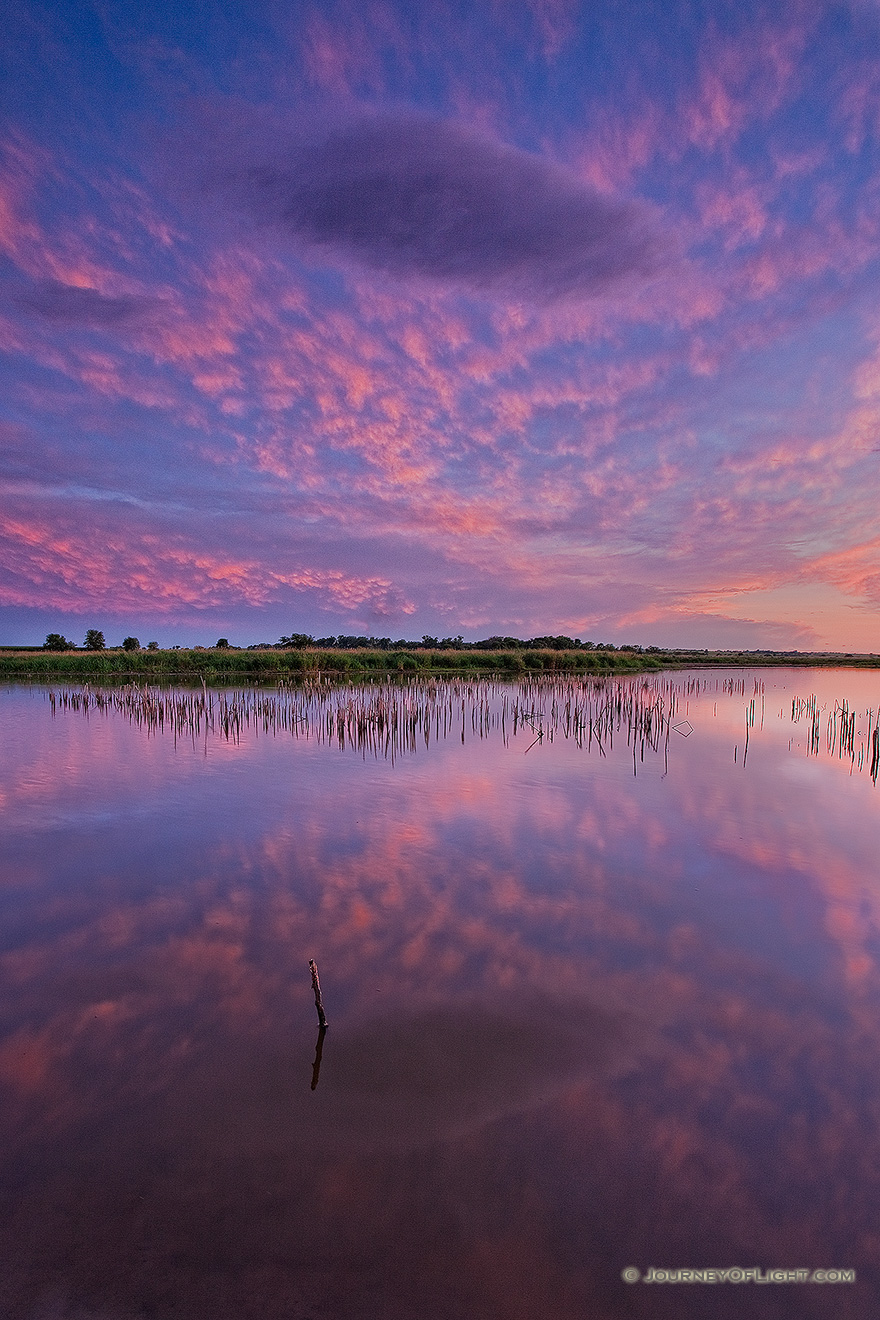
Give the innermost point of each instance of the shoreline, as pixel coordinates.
(221, 665)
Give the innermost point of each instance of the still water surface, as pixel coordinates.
(602, 984)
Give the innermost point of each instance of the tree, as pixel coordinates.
(222, 644)
(55, 642)
(95, 640)
(131, 644)
(152, 646)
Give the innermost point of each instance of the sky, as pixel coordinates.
(518, 317)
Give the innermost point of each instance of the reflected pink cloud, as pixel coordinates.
(575, 1016)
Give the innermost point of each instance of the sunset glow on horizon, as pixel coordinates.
(519, 318)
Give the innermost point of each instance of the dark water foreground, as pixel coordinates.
(602, 984)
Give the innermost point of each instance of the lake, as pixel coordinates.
(600, 965)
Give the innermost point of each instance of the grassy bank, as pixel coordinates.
(271, 665)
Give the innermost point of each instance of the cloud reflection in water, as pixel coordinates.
(581, 1019)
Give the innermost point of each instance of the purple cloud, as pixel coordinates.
(415, 196)
(67, 304)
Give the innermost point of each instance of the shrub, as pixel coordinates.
(55, 642)
(130, 644)
(511, 663)
(95, 640)
(295, 661)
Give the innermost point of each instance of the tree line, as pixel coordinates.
(95, 641)
(299, 641)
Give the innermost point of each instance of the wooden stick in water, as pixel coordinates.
(316, 1066)
(316, 986)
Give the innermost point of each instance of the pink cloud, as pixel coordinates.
(509, 443)
(556, 21)
(735, 207)
(125, 568)
(857, 106)
(742, 80)
(856, 569)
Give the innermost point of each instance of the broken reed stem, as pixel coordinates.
(316, 986)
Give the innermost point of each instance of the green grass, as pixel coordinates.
(221, 665)
(271, 665)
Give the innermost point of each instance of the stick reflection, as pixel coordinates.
(319, 1049)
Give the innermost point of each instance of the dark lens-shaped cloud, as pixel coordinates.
(419, 197)
(69, 305)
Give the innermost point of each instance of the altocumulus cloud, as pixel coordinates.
(420, 197)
